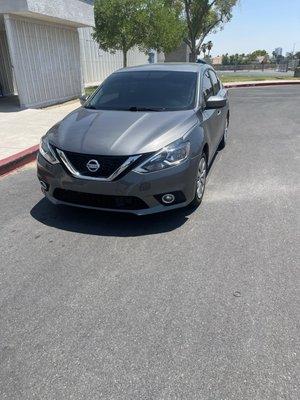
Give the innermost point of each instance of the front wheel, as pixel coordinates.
(200, 182)
(225, 135)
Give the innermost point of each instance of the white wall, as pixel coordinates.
(52, 61)
(6, 76)
(72, 12)
(46, 61)
(97, 64)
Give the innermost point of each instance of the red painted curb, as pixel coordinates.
(18, 160)
(238, 85)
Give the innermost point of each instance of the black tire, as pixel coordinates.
(225, 135)
(202, 172)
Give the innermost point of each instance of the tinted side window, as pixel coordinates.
(215, 82)
(207, 87)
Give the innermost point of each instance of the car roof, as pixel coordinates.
(182, 67)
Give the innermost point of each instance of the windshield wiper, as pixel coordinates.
(134, 108)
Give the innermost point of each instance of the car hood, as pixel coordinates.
(120, 132)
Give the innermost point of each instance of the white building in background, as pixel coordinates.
(98, 64)
(47, 54)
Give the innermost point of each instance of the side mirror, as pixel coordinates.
(214, 102)
(83, 99)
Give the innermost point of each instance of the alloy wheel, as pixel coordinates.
(226, 131)
(201, 178)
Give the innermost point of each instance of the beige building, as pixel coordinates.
(262, 59)
(217, 60)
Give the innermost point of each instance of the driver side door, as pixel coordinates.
(211, 121)
(221, 112)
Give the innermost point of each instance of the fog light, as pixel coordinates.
(44, 185)
(168, 198)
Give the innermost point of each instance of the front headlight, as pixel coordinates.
(174, 154)
(47, 151)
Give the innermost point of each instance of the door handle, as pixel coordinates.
(219, 112)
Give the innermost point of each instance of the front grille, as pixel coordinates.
(100, 200)
(108, 164)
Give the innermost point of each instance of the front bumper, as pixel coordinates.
(145, 187)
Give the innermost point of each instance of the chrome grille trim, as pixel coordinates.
(78, 175)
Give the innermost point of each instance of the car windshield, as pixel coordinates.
(146, 91)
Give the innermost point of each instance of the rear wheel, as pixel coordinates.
(200, 182)
(225, 135)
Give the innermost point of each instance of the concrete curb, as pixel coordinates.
(259, 83)
(18, 160)
(26, 156)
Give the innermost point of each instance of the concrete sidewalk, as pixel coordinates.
(21, 129)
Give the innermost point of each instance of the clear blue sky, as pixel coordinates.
(260, 24)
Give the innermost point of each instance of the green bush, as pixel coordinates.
(297, 72)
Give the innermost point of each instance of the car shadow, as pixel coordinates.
(104, 223)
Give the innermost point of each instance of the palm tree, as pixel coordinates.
(209, 47)
(204, 48)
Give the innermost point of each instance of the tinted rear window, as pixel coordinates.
(157, 90)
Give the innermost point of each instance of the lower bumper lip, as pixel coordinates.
(153, 210)
(146, 187)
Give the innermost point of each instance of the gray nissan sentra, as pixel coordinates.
(141, 143)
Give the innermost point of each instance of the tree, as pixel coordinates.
(289, 56)
(225, 59)
(209, 47)
(124, 24)
(234, 59)
(203, 17)
(164, 27)
(118, 25)
(204, 48)
(257, 53)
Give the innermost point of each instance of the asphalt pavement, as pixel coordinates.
(201, 305)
